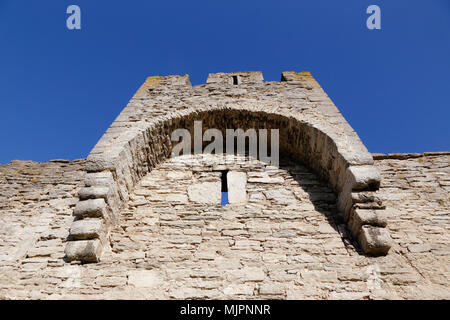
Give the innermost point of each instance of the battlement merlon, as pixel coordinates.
(236, 78)
(162, 81)
(229, 78)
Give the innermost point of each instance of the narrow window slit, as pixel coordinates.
(224, 188)
(235, 80)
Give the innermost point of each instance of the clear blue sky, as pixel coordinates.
(61, 89)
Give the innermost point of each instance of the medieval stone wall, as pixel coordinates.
(312, 131)
(133, 221)
(285, 241)
(416, 188)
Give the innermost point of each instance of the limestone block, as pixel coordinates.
(252, 274)
(95, 184)
(206, 192)
(271, 288)
(364, 200)
(304, 78)
(363, 178)
(84, 250)
(176, 80)
(93, 208)
(361, 217)
(237, 182)
(101, 161)
(374, 240)
(264, 178)
(103, 179)
(87, 229)
(366, 196)
(180, 198)
(144, 278)
(239, 289)
(358, 154)
(417, 248)
(178, 175)
(280, 196)
(370, 206)
(93, 193)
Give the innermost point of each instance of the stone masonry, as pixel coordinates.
(312, 131)
(332, 221)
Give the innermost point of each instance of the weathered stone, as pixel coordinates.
(84, 250)
(264, 178)
(99, 179)
(363, 177)
(93, 193)
(281, 240)
(144, 278)
(181, 198)
(206, 192)
(239, 289)
(417, 248)
(251, 274)
(87, 229)
(360, 217)
(369, 206)
(241, 78)
(374, 240)
(237, 182)
(177, 175)
(365, 196)
(271, 288)
(97, 163)
(93, 208)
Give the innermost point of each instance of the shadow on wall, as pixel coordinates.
(322, 197)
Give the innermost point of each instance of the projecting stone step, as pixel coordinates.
(83, 250)
(363, 178)
(93, 193)
(87, 229)
(374, 241)
(361, 217)
(93, 208)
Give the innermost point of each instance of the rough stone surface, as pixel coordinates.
(361, 217)
(279, 248)
(92, 208)
(144, 279)
(84, 250)
(364, 177)
(374, 240)
(237, 181)
(93, 193)
(205, 192)
(310, 128)
(87, 229)
(292, 239)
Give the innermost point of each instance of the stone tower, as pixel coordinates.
(312, 132)
(329, 221)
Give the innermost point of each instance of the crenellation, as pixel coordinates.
(235, 78)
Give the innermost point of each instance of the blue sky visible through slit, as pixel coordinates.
(224, 187)
(224, 200)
